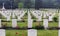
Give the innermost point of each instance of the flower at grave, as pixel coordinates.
(17, 33)
(4, 24)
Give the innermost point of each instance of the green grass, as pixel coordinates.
(47, 33)
(13, 32)
(25, 33)
(39, 32)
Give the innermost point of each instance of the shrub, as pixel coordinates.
(55, 19)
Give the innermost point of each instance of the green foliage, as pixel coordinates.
(20, 5)
(55, 19)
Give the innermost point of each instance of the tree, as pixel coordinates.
(20, 5)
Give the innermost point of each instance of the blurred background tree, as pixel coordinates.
(20, 5)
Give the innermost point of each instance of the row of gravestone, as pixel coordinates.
(8, 14)
(38, 14)
(30, 21)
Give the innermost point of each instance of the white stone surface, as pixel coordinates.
(45, 23)
(14, 23)
(51, 15)
(40, 17)
(44, 15)
(32, 32)
(8, 18)
(0, 23)
(50, 18)
(13, 15)
(59, 19)
(58, 32)
(2, 32)
(59, 26)
(30, 21)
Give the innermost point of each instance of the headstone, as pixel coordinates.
(50, 18)
(13, 15)
(59, 19)
(51, 15)
(40, 17)
(8, 13)
(45, 23)
(59, 26)
(29, 21)
(58, 32)
(2, 32)
(0, 23)
(44, 16)
(14, 23)
(8, 18)
(32, 32)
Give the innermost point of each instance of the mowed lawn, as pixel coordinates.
(25, 33)
(39, 32)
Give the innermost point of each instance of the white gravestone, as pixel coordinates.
(2, 32)
(40, 17)
(29, 21)
(32, 32)
(45, 15)
(50, 18)
(45, 23)
(8, 18)
(0, 23)
(13, 14)
(8, 15)
(14, 23)
(59, 32)
(59, 26)
(51, 15)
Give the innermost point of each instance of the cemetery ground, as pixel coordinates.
(39, 32)
(35, 23)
